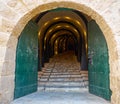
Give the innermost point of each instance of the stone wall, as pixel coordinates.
(14, 15)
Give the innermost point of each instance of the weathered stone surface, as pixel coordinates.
(17, 5)
(5, 66)
(7, 84)
(3, 39)
(7, 13)
(6, 25)
(2, 53)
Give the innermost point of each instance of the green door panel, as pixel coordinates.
(98, 66)
(26, 61)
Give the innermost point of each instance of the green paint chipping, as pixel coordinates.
(26, 61)
(99, 83)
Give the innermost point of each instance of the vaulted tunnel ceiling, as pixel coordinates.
(59, 27)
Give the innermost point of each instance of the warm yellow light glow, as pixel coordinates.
(86, 46)
(58, 26)
(67, 17)
(56, 47)
(54, 35)
(84, 33)
(67, 26)
(39, 33)
(78, 22)
(45, 38)
(50, 30)
(46, 23)
(56, 18)
(75, 30)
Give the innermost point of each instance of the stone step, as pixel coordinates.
(47, 74)
(49, 77)
(63, 86)
(84, 72)
(62, 89)
(55, 71)
(40, 80)
(53, 77)
(61, 83)
(84, 75)
(59, 76)
(62, 70)
(62, 79)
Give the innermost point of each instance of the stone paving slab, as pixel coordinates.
(82, 97)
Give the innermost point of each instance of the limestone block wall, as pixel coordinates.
(14, 15)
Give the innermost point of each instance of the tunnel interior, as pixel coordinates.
(62, 30)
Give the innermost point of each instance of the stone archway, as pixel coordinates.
(16, 14)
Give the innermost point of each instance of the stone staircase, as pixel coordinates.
(62, 73)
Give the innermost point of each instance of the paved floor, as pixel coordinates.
(61, 73)
(82, 97)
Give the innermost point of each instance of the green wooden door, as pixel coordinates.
(98, 62)
(26, 61)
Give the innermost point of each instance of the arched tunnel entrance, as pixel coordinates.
(62, 33)
(59, 26)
